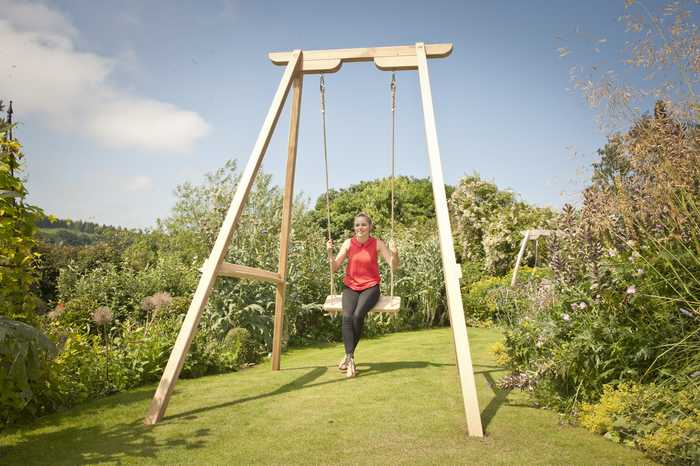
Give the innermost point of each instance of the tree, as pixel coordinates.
(413, 204)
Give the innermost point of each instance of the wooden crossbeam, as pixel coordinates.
(402, 63)
(534, 234)
(394, 58)
(249, 273)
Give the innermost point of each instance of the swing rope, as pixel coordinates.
(322, 87)
(393, 156)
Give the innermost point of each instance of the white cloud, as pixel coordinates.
(27, 16)
(138, 183)
(44, 74)
(149, 124)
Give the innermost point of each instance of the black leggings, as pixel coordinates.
(356, 305)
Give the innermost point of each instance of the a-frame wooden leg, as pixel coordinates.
(523, 245)
(210, 269)
(449, 262)
(287, 205)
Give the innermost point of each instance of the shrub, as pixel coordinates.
(492, 299)
(479, 309)
(240, 345)
(663, 421)
(123, 290)
(24, 356)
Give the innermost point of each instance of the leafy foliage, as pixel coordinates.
(17, 242)
(413, 205)
(488, 224)
(621, 331)
(663, 421)
(24, 356)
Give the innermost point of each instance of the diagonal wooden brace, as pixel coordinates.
(210, 271)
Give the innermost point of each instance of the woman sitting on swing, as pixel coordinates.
(361, 280)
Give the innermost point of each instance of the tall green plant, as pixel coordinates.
(18, 256)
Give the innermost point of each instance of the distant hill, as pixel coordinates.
(74, 232)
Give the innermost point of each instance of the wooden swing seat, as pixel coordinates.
(386, 304)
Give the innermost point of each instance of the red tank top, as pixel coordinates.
(362, 271)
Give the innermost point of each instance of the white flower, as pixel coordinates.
(582, 305)
(631, 289)
(566, 317)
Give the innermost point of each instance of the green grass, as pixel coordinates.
(403, 407)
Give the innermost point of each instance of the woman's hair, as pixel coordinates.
(369, 220)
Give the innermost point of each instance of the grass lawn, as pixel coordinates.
(403, 407)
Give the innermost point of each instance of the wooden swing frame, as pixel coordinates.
(528, 235)
(298, 63)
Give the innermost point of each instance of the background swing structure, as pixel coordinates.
(298, 63)
(528, 235)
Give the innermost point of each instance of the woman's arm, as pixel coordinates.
(390, 254)
(342, 254)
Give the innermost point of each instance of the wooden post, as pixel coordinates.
(287, 206)
(210, 269)
(449, 263)
(523, 245)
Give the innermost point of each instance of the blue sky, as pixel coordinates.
(120, 102)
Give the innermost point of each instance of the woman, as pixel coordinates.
(361, 280)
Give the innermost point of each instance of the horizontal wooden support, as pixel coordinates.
(249, 273)
(396, 63)
(321, 66)
(364, 54)
(534, 234)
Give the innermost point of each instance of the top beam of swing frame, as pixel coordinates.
(394, 58)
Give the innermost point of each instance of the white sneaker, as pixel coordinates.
(350, 371)
(343, 364)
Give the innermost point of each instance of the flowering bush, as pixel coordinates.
(488, 224)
